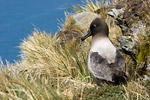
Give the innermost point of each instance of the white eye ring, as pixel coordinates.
(94, 25)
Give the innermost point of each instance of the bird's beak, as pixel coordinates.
(86, 35)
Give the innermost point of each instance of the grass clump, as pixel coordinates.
(18, 87)
(69, 24)
(42, 53)
(90, 6)
(46, 70)
(51, 70)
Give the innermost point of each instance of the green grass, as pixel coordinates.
(106, 92)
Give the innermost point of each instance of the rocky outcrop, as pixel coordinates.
(84, 19)
(127, 19)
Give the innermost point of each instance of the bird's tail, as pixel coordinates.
(120, 79)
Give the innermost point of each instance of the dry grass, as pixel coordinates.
(42, 53)
(69, 24)
(136, 90)
(90, 6)
(47, 71)
(45, 67)
(16, 86)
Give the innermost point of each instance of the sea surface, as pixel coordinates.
(18, 18)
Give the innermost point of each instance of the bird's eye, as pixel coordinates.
(94, 25)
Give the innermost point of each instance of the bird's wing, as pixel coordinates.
(119, 64)
(100, 68)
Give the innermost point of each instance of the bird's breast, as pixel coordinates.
(105, 49)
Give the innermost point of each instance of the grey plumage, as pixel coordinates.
(113, 73)
(105, 62)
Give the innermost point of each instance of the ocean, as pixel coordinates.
(18, 18)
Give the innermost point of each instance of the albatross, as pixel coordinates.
(105, 62)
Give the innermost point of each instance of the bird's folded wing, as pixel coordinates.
(119, 64)
(100, 68)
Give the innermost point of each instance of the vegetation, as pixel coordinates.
(51, 70)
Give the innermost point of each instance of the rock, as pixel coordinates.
(146, 77)
(114, 30)
(126, 43)
(135, 29)
(116, 12)
(138, 28)
(124, 29)
(72, 36)
(135, 32)
(148, 67)
(84, 19)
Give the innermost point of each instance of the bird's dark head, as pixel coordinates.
(98, 26)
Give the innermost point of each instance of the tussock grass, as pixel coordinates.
(49, 71)
(46, 71)
(64, 66)
(69, 24)
(18, 87)
(42, 53)
(90, 6)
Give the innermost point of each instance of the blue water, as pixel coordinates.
(18, 17)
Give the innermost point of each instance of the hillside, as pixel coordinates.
(53, 68)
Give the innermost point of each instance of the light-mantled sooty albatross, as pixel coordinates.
(105, 62)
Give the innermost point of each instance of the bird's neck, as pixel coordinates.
(99, 41)
(99, 37)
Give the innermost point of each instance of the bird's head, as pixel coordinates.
(98, 26)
